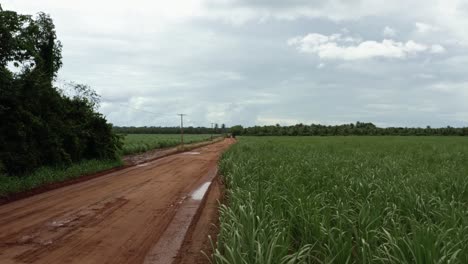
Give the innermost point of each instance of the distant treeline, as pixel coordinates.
(358, 129)
(170, 130)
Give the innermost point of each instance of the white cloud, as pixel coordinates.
(389, 32)
(459, 88)
(336, 46)
(437, 49)
(424, 76)
(262, 120)
(448, 16)
(337, 10)
(111, 17)
(424, 28)
(389, 107)
(220, 75)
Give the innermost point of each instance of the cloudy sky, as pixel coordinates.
(394, 63)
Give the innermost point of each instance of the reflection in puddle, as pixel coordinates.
(200, 192)
(192, 153)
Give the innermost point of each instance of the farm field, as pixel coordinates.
(137, 143)
(345, 200)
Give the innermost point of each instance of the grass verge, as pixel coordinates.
(47, 175)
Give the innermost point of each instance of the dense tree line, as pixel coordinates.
(358, 129)
(39, 124)
(170, 130)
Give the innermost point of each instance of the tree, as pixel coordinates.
(40, 125)
(236, 130)
(223, 128)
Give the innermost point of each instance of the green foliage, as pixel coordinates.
(47, 175)
(358, 129)
(137, 143)
(345, 200)
(40, 126)
(236, 130)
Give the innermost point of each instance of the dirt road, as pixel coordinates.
(135, 215)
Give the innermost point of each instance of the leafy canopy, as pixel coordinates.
(40, 125)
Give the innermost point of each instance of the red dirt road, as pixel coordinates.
(116, 218)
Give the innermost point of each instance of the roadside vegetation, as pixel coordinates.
(47, 134)
(137, 143)
(41, 125)
(47, 175)
(345, 200)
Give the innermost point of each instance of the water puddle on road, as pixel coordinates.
(142, 165)
(200, 192)
(192, 153)
(60, 223)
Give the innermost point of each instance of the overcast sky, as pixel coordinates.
(256, 62)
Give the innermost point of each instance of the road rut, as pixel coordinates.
(115, 218)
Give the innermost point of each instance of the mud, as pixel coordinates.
(116, 218)
(197, 246)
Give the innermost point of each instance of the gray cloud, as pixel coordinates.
(230, 62)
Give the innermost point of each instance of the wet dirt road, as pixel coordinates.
(115, 218)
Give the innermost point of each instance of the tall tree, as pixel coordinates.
(40, 126)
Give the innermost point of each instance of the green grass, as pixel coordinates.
(345, 200)
(46, 175)
(137, 143)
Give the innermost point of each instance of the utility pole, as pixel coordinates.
(212, 131)
(182, 128)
